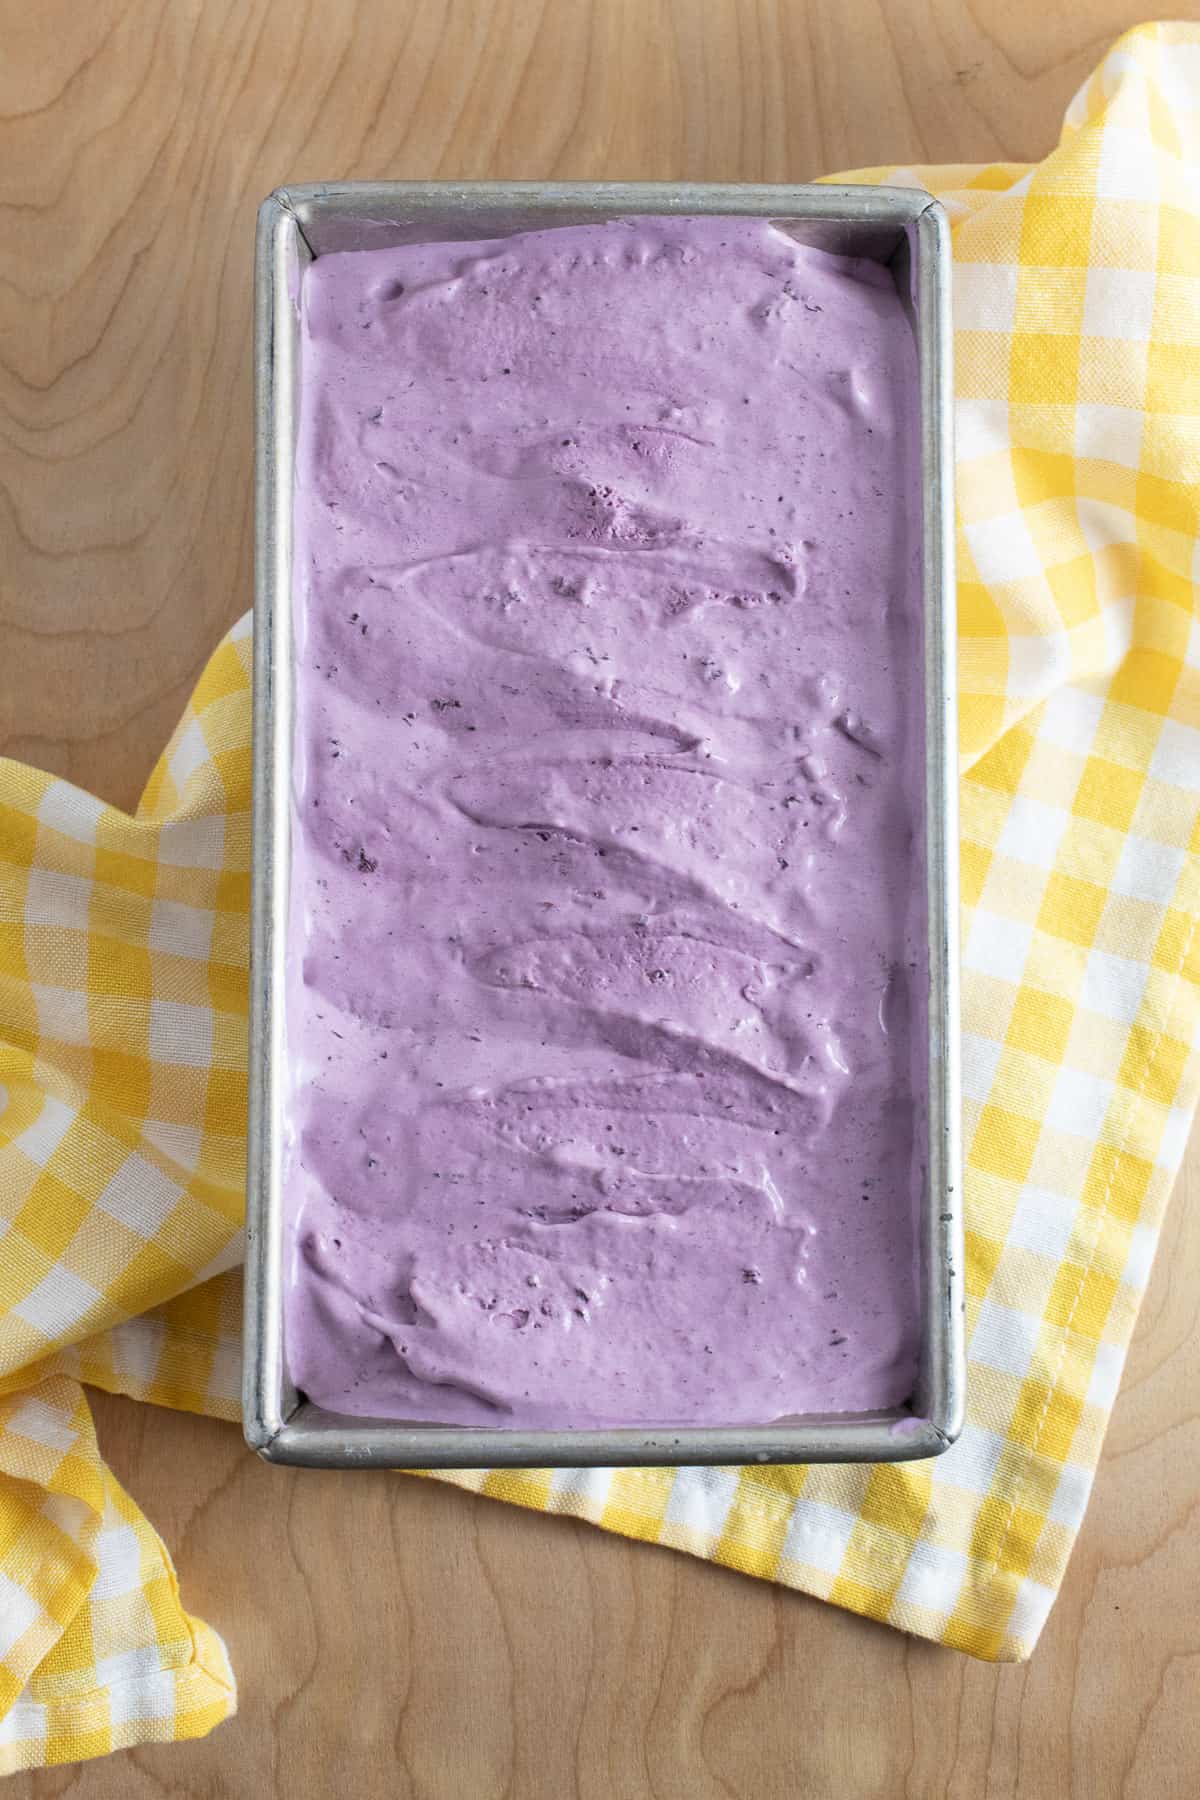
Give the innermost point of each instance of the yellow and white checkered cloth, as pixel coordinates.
(123, 999)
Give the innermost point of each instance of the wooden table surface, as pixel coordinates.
(392, 1637)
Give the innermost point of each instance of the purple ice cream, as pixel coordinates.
(605, 1017)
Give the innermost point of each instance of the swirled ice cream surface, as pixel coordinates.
(605, 1012)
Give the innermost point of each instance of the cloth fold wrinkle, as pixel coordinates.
(123, 1002)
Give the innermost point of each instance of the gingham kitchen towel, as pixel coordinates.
(123, 998)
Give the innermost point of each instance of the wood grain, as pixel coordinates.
(392, 1636)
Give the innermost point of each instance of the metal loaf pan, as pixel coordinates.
(901, 228)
